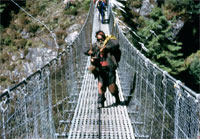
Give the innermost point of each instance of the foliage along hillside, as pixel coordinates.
(168, 47)
(21, 33)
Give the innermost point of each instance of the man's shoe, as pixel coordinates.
(101, 99)
(117, 100)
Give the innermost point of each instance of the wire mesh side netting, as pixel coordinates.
(159, 106)
(42, 105)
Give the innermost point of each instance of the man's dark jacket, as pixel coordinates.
(110, 50)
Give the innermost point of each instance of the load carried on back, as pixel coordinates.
(112, 51)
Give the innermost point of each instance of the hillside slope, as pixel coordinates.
(27, 42)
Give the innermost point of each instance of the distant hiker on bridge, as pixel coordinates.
(101, 7)
(105, 55)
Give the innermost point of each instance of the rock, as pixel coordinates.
(22, 55)
(14, 57)
(73, 28)
(71, 37)
(39, 56)
(177, 27)
(146, 8)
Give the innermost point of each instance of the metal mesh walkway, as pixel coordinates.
(59, 100)
(115, 123)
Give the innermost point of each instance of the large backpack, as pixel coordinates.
(114, 49)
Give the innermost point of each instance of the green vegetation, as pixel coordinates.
(157, 36)
(20, 44)
(2, 6)
(193, 65)
(194, 69)
(32, 28)
(78, 7)
(135, 3)
(169, 51)
(19, 32)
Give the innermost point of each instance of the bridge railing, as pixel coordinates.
(42, 105)
(159, 106)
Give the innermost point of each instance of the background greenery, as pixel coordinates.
(178, 54)
(19, 32)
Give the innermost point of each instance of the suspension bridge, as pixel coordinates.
(60, 99)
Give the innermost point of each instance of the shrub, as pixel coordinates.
(135, 3)
(194, 69)
(4, 57)
(23, 19)
(162, 49)
(32, 27)
(1, 28)
(7, 41)
(72, 11)
(3, 78)
(11, 67)
(60, 34)
(61, 42)
(21, 43)
(26, 51)
(86, 4)
(193, 65)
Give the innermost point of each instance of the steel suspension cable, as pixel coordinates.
(37, 20)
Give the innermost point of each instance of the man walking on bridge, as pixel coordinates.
(105, 55)
(101, 7)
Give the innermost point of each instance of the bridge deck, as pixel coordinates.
(115, 123)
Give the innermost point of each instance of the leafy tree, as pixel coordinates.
(158, 38)
(2, 6)
(194, 70)
(184, 6)
(193, 64)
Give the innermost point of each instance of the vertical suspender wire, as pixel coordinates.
(52, 34)
(25, 109)
(55, 84)
(35, 114)
(154, 97)
(177, 91)
(164, 105)
(140, 86)
(41, 106)
(3, 120)
(66, 115)
(62, 84)
(50, 103)
(146, 97)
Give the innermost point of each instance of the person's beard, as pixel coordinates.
(100, 44)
